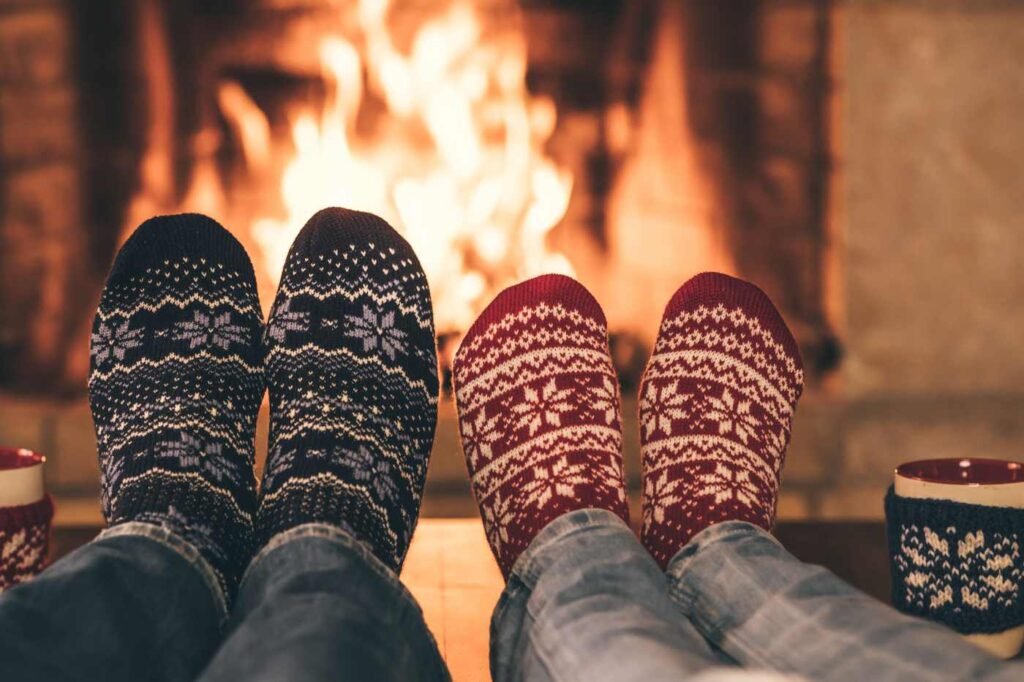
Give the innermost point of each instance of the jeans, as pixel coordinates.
(584, 602)
(763, 607)
(138, 603)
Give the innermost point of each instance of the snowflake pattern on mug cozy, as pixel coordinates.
(24, 540)
(958, 569)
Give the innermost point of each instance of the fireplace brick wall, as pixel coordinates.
(41, 245)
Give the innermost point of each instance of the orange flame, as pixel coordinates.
(455, 161)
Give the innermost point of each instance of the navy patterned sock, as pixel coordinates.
(175, 381)
(352, 373)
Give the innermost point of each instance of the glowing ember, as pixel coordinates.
(442, 140)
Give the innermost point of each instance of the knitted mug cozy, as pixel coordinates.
(959, 564)
(24, 541)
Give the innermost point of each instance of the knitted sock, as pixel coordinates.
(539, 415)
(352, 372)
(716, 404)
(175, 381)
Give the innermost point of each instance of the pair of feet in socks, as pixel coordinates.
(538, 404)
(180, 360)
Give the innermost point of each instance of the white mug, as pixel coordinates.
(986, 482)
(21, 477)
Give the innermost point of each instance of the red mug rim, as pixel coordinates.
(963, 471)
(19, 458)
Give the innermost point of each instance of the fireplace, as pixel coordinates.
(628, 144)
(631, 144)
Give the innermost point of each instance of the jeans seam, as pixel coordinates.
(681, 595)
(180, 546)
(523, 577)
(343, 538)
(705, 627)
(323, 531)
(507, 597)
(679, 591)
(540, 647)
(748, 645)
(525, 567)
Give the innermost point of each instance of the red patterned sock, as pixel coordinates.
(539, 411)
(24, 541)
(716, 405)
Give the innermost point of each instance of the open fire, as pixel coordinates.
(689, 136)
(440, 138)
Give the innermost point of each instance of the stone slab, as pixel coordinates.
(933, 143)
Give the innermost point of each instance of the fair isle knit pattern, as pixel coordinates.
(960, 564)
(24, 541)
(175, 382)
(716, 406)
(352, 373)
(539, 414)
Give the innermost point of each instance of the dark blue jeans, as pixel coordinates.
(140, 604)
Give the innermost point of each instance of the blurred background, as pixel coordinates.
(859, 160)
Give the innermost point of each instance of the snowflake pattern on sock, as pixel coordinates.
(716, 406)
(352, 372)
(539, 413)
(175, 381)
(205, 329)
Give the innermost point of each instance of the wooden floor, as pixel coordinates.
(452, 574)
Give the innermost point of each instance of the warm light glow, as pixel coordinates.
(441, 139)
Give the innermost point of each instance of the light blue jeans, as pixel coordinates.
(763, 607)
(584, 602)
(587, 602)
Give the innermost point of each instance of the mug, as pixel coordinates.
(956, 544)
(25, 515)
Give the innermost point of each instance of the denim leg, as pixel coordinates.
(757, 602)
(315, 604)
(585, 601)
(137, 603)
